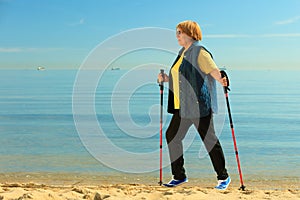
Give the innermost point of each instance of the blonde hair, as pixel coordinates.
(190, 28)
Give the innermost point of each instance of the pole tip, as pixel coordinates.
(242, 188)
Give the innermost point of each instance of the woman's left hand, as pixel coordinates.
(217, 75)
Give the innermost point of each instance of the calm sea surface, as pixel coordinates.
(38, 132)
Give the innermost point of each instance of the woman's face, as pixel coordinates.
(182, 38)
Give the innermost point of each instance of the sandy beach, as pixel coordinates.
(135, 191)
(31, 186)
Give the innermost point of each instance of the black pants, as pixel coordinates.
(175, 134)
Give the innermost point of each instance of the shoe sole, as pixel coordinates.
(171, 185)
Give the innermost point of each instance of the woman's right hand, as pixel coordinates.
(162, 78)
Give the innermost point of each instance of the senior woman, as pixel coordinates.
(192, 84)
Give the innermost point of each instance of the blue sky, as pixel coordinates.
(248, 34)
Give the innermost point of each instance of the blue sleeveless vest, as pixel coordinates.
(196, 89)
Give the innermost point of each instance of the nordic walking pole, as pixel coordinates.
(161, 86)
(226, 89)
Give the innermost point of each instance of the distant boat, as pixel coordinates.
(116, 68)
(41, 68)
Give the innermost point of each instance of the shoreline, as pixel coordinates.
(86, 179)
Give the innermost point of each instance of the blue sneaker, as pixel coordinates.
(223, 184)
(174, 182)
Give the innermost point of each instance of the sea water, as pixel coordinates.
(39, 133)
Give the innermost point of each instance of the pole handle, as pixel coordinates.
(161, 84)
(223, 74)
